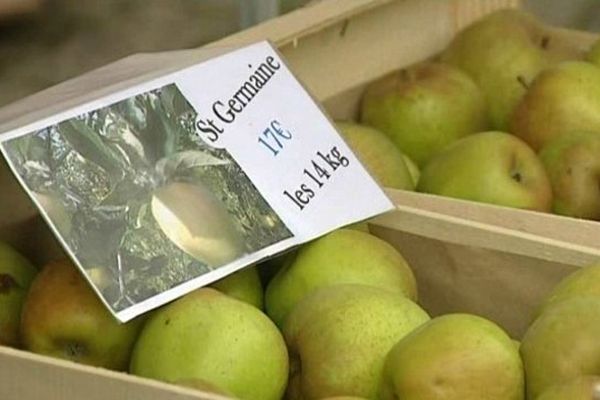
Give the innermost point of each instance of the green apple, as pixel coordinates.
(194, 219)
(379, 155)
(213, 337)
(16, 275)
(562, 344)
(593, 55)
(63, 317)
(580, 388)
(338, 338)
(454, 357)
(583, 282)
(243, 285)
(573, 165)
(561, 100)
(490, 167)
(342, 256)
(503, 53)
(424, 108)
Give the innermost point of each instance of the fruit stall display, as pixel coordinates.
(483, 284)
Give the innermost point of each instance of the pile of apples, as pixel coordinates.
(508, 114)
(502, 117)
(339, 319)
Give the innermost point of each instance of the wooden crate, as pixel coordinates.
(469, 257)
(12, 8)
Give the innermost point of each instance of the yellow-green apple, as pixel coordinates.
(342, 256)
(562, 344)
(561, 100)
(583, 282)
(581, 388)
(63, 317)
(16, 275)
(572, 162)
(424, 108)
(454, 357)
(205, 230)
(490, 167)
(503, 53)
(338, 338)
(243, 285)
(379, 155)
(213, 337)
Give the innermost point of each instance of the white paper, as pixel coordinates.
(169, 185)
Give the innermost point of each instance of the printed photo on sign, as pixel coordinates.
(139, 199)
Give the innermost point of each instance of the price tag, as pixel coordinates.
(169, 185)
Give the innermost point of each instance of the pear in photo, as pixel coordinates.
(573, 165)
(16, 276)
(64, 318)
(342, 256)
(562, 344)
(561, 100)
(503, 53)
(339, 336)
(197, 222)
(424, 108)
(489, 167)
(384, 161)
(209, 336)
(454, 357)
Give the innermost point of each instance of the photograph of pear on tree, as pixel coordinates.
(139, 199)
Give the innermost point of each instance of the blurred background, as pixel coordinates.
(43, 42)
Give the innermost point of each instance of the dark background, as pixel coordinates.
(61, 39)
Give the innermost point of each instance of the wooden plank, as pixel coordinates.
(293, 26)
(28, 376)
(441, 223)
(10, 8)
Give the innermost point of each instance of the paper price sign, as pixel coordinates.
(167, 185)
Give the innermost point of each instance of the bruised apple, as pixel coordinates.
(64, 318)
(573, 165)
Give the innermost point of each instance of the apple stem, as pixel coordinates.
(522, 81)
(74, 350)
(517, 176)
(545, 42)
